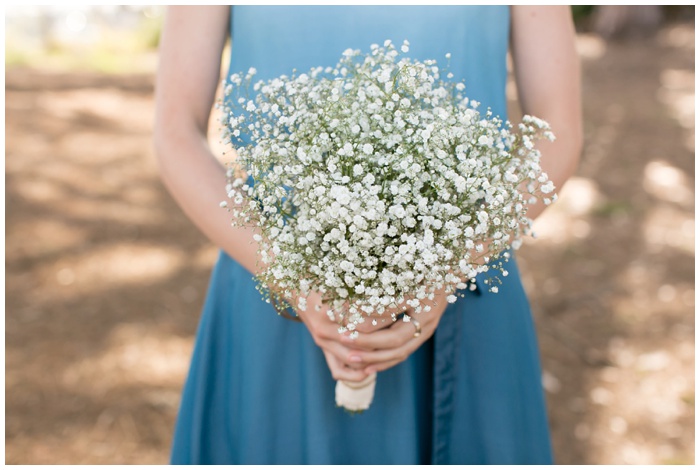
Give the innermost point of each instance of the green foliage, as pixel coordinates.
(148, 33)
(16, 58)
(581, 13)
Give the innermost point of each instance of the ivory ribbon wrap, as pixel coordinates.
(355, 396)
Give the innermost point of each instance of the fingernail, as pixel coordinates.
(355, 358)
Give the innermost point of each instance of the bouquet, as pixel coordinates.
(377, 183)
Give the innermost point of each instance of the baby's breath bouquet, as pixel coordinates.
(377, 183)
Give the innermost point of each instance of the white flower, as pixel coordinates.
(384, 76)
(485, 140)
(547, 188)
(376, 177)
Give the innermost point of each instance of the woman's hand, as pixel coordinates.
(384, 348)
(343, 353)
(324, 332)
(377, 347)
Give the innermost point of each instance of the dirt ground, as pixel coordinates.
(105, 277)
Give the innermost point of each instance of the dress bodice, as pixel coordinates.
(278, 39)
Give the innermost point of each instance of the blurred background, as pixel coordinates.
(105, 276)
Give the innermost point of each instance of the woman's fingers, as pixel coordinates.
(385, 358)
(377, 345)
(385, 320)
(326, 336)
(318, 322)
(398, 334)
(382, 359)
(341, 371)
(338, 350)
(373, 324)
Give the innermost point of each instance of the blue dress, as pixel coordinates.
(259, 390)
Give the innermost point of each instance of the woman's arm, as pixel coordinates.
(191, 45)
(189, 67)
(547, 76)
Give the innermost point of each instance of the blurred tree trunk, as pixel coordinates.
(614, 21)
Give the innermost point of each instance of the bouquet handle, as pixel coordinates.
(355, 396)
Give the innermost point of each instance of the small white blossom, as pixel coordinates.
(547, 188)
(374, 178)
